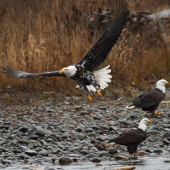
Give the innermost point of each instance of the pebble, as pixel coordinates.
(65, 160)
(95, 159)
(120, 157)
(84, 112)
(153, 132)
(67, 133)
(112, 151)
(36, 131)
(31, 152)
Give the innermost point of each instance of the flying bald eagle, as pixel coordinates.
(83, 72)
(150, 99)
(132, 138)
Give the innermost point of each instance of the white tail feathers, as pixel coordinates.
(131, 106)
(102, 76)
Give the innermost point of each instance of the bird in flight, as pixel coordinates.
(83, 72)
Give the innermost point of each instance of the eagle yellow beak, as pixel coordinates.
(166, 83)
(62, 71)
(148, 121)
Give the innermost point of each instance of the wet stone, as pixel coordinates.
(97, 117)
(84, 112)
(153, 132)
(36, 131)
(166, 125)
(112, 151)
(120, 157)
(34, 137)
(124, 122)
(102, 108)
(104, 153)
(23, 129)
(88, 130)
(31, 152)
(49, 168)
(84, 152)
(167, 161)
(157, 151)
(80, 136)
(166, 135)
(96, 160)
(91, 155)
(65, 160)
(166, 141)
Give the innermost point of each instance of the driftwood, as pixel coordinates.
(165, 102)
(124, 168)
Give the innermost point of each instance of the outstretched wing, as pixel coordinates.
(21, 74)
(99, 51)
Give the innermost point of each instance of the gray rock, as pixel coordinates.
(31, 152)
(102, 108)
(84, 112)
(166, 135)
(166, 125)
(91, 155)
(23, 129)
(120, 157)
(49, 168)
(65, 160)
(36, 131)
(125, 122)
(157, 150)
(104, 127)
(104, 158)
(96, 160)
(166, 141)
(24, 141)
(84, 152)
(112, 151)
(153, 132)
(104, 153)
(49, 110)
(167, 161)
(80, 136)
(88, 130)
(97, 117)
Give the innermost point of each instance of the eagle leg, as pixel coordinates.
(84, 88)
(99, 93)
(90, 98)
(97, 87)
(156, 113)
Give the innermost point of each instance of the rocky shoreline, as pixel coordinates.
(73, 131)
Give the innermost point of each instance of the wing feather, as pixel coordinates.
(10, 72)
(129, 137)
(149, 98)
(99, 51)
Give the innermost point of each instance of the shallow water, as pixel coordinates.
(142, 163)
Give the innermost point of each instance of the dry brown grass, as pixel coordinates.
(46, 35)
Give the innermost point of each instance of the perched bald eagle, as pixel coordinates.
(150, 99)
(83, 72)
(132, 138)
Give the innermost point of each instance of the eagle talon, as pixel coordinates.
(156, 113)
(99, 93)
(90, 99)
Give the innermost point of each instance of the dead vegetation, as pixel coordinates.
(46, 35)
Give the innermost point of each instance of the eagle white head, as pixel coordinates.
(69, 71)
(142, 124)
(161, 85)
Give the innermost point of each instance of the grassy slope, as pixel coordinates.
(48, 35)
